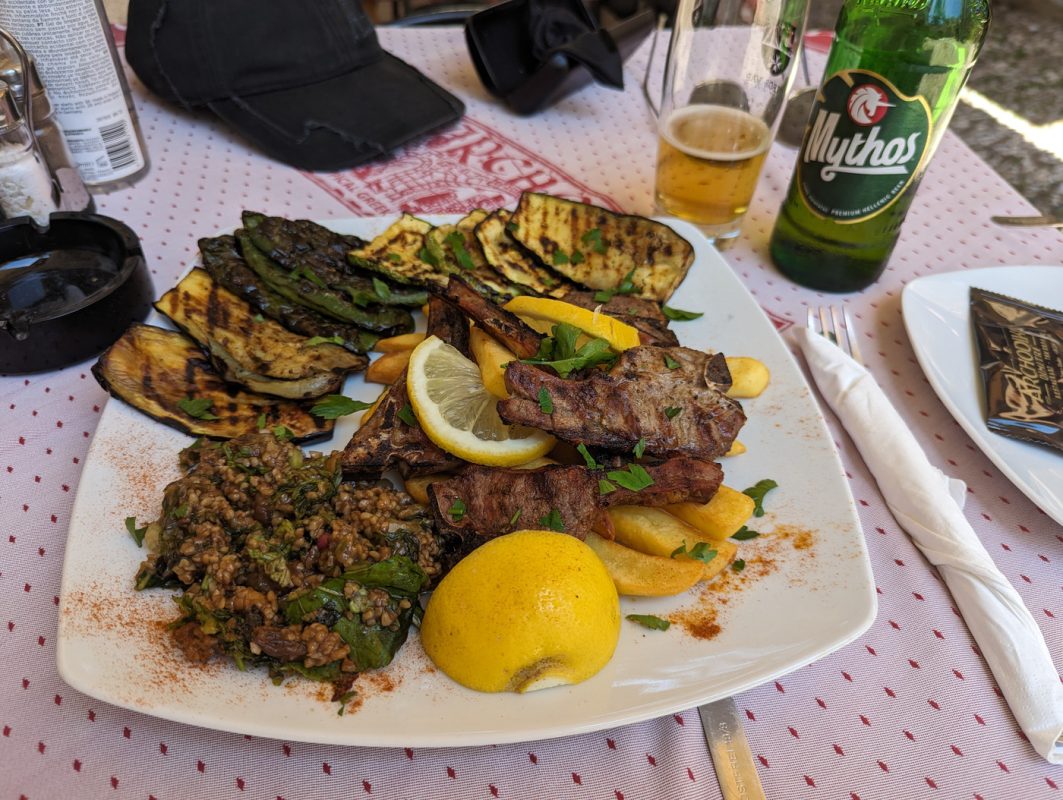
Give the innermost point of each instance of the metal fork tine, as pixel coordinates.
(811, 319)
(827, 330)
(850, 334)
(841, 337)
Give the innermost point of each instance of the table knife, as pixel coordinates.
(1030, 222)
(729, 748)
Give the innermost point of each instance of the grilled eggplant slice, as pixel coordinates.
(459, 253)
(261, 355)
(399, 253)
(157, 371)
(223, 261)
(309, 249)
(512, 261)
(300, 289)
(597, 248)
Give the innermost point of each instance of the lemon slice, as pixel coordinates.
(459, 414)
(620, 335)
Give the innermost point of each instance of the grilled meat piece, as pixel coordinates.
(496, 501)
(385, 441)
(644, 315)
(503, 325)
(680, 411)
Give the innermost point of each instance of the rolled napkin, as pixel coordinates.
(916, 494)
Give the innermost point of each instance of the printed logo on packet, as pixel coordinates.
(469, 165)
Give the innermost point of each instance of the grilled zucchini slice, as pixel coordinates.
(598, 248)
(399, 253)
(459, 252)
(157, 371)
(512, 261)
(250, 349)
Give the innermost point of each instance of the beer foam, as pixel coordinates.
(715, 127)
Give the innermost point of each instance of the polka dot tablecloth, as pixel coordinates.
(908, 710)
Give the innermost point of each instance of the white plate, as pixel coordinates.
(937, 315)
(113, 646)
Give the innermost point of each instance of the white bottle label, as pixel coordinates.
(72, 49)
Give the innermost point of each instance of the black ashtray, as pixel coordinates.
(67, 291)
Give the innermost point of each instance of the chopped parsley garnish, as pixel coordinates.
(634, 478)
(516, 516)
(134, 531)
(259, 318)
(553, 521)
(512, 227)
(593, 238)
(282, 433)
(456, 242)
(332, 406)
(650, 621)
(744, 534)
(757, 491)
(670, 362)
(604, 487)
(559, 258)
(313, 341)
(576, 257)
(197, 407)
(260, 423)
(588, 459)
(428, 257)
(640, 448)
(559, 351)
(407, 416)
(699, 552)
(394, 257)
(672, 412)
(457, 510)
(739, 564)
(383, 291)
(181, 511)
(679, 315)
(307, 275)
(546, 403)
(626, 287)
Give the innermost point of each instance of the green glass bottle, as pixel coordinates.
(892, 80)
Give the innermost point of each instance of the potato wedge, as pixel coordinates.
(642, 575)
(737, 448)
(492, 358)
(417, 487)
(721, 517)
(405, 341)
(749, 377)
(388, 367)
(658, 533)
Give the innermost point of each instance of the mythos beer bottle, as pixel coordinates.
(892, 80)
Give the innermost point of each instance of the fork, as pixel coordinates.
(837, 326)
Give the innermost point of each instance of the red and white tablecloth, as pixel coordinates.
(908, 710)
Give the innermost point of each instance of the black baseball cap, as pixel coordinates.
(305, 80)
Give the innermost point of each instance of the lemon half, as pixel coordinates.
(459, 414)
(525, 611)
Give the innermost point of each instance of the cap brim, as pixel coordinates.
(343, 121)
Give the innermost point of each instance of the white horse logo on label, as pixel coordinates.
(867, 104)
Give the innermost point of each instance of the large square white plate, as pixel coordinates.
(113, 644)
(937, 314)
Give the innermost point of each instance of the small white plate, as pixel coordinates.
(113, 644)
(937, 314)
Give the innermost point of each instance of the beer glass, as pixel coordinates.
(729, 69)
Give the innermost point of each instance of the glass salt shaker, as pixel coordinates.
(25, 185)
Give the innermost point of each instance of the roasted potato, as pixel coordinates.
(404, 341)
(749, 377)
(737, 448)
(721, 517)
(492, 358)
(658, 533)
(388, 368)
(643, 575)
(417, 487)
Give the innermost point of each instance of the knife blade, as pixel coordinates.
(1030, 222)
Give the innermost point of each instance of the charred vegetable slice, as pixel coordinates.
(512, 261)
(226, 266)
(164, 374)
(320, 255)
(251, 350)
(299, 289)
(460, 253)
(599, 249)
(400, 254)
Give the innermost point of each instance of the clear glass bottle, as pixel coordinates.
(26, 187)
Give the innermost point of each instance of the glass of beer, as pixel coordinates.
(729, 69)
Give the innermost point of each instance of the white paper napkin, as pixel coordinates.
(921, 499)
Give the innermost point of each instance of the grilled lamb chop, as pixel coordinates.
(503, 325)
(385, 441)
(680, 411)
(640, 313)
(496, 501)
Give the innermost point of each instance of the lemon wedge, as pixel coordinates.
(459, 414)
(620, 335)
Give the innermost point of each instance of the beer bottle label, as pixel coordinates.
(864, 146)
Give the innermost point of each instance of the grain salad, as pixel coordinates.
(281, 564)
